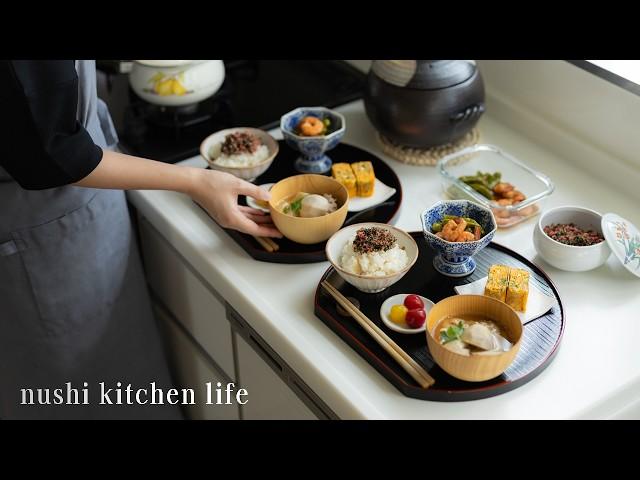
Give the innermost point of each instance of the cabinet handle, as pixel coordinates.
(265, 353)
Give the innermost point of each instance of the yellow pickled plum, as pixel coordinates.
(398, 314)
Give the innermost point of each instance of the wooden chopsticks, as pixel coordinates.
(412, 367)
(268, 244)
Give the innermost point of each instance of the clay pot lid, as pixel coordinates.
(424, 74)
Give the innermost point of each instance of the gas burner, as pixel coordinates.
(177, 111)
(255, 93)
(183, 116)
(177, 117)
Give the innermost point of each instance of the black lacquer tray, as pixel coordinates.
(282, 167)
(541, 337)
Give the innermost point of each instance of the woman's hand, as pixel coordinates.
(217, 192)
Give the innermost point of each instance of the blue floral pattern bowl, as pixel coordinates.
(454, 259)
(313, 158)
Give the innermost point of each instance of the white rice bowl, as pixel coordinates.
(238, 160)
(374, 264)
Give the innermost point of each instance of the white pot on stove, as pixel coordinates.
(176, 83)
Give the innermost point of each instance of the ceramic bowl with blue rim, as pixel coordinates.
(313, 158)
(455, 259)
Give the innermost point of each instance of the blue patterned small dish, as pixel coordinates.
(454, 259)
(313, 158)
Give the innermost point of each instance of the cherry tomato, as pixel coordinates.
(415, 318)
(398, 314)
(413, 301)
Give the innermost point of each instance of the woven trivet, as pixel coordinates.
(428, 156)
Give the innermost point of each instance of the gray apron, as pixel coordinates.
(73, 300)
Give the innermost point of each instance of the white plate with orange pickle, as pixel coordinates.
(402, 326)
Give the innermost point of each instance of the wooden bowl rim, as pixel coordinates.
(477, 358)
(344, 190)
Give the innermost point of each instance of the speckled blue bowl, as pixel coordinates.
(455, 259)
(313, 158)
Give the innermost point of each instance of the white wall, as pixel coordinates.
(581, 117)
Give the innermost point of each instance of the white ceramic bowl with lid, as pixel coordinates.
(569, 257)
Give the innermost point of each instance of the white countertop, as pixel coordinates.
(596, 373)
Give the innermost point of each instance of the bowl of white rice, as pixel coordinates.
(372, 256)
(244, 152)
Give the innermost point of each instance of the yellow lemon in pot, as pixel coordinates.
(164, 87)
(178, 88)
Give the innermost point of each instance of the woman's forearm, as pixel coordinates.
(126, 172)
(217, 192)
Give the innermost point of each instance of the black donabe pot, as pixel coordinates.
(424, 103)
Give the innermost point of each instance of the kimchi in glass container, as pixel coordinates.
(489, 159)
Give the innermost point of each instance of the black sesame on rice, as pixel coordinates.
(373, 239)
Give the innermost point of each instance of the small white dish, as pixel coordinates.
(398, 299)
(381, 193)
(253, 204)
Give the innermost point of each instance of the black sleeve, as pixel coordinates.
(42, 145)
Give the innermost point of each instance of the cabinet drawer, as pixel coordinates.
(195, 306)
(191, 369)
(268, 396)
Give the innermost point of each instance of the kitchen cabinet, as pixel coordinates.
(269, 397)
(191, 369)
(197, 330)
(198, 308)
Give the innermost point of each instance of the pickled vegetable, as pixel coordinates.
(398, 314)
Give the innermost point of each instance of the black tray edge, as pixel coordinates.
(413, 390)
(255, 250)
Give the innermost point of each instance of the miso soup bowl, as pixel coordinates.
(474, 368)
(308, 230)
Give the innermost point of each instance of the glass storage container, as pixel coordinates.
(535, 186)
